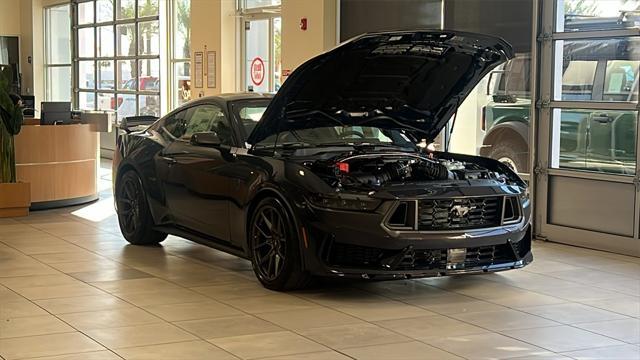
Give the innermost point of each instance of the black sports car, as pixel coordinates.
(328, 177)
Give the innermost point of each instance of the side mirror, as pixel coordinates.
(209, 139)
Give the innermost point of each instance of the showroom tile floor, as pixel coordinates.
(70, 288)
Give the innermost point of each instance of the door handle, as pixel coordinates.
(603, 118)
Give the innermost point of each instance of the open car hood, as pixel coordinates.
(409, 80)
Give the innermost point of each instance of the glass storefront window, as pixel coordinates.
(86, 100)
(182, 76)
(85, 13)
(597, 69)
(149, 38)
(149, 105)
(125, 9)
(595, 140)
(148, 8)
(86, 41)
(58, 53)
(87, 79)
(104, 10)
(110, 56)
(105, 41)
(126, 71)
(250, 4)
(594, 15)
(106, 78)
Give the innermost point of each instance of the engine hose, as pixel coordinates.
(431, 171)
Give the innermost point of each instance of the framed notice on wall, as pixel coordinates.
(199, 71)
(211, 69)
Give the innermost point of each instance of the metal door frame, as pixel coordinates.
(544, 53)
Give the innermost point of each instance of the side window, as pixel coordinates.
(621, 80)
(174, 126)
(206, 118)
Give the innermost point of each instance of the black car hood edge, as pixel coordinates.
(410, 80)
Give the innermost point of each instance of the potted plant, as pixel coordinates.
(15, 197)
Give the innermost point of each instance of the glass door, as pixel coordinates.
(587, 168)
(261, 53)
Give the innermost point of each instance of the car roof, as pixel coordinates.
(229, 97)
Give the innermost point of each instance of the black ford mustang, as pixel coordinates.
(328, 177)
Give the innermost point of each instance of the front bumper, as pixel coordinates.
(355, 245)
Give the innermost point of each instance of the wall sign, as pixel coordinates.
(211, 69)
(199, 71)
(257, 71)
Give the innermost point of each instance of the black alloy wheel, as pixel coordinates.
(134, 216)
(275, 247)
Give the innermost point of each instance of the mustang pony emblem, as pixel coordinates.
(461, 210)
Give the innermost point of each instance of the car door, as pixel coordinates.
(196, 188)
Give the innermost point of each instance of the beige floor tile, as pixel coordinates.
(58, 291)
(141, 335)
(228, 326)
(627, 330)
(453, 304)
(164, 297)
(622, 352)
(353, 335)
(19, 308)
(588, 276)
(207, 278)
(504, 320)
(543, 356)
(94, 355)
(136, 286)
(120, 317)
(431, 327)
(113, 274)
(191, 350)
(86, 266)
(270, 303)
(628, 287)
(46, 345)
(24, 267)
(241, 289)
(323, 355)
(572, 313)
(562, 338)
(309, 318)
(37, 280)
(31, 326)
(267, 344)
(76, 256)
(81, 304)
(403, 289)
(625, 305)
(7, 295)
(192, 311)
(406, 351)
(582, 293)
(485, 346)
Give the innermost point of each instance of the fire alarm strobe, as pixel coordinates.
(303, 24)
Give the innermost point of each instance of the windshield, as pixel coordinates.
(248, 113)
(339, 136)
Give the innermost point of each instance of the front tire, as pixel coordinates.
(274, 247)
(134, 216)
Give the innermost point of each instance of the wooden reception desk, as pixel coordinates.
(60, 162)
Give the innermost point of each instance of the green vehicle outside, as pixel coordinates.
(593, 140)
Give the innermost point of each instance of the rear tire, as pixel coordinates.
(513, 154)
(274, 247)
(134, 216)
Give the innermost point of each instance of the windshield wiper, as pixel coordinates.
(319, 112)
(383, 116)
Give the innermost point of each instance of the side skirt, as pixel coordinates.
(203, 240)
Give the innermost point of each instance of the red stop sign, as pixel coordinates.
(257, 71)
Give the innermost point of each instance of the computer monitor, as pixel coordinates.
(29, 104)
(55, 112)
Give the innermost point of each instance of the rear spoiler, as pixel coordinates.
(136, 123)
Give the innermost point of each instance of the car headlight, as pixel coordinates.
(345, 202)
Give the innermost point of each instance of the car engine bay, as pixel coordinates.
(378, 169)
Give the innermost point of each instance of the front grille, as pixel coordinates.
(459, 213)
(365, 257)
